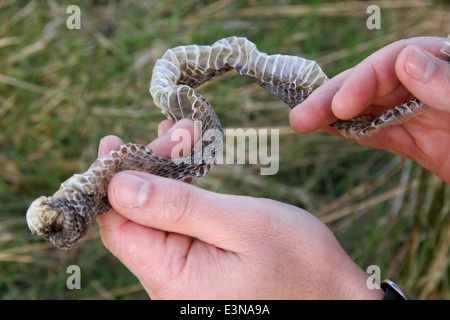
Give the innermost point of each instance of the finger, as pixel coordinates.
(315, 112)
(375, 77)
(148, 253)
(164, 126)
(169, 205)
(116, 229)
(179, 137)
(107, 144)
(393, 98)
(127, 240)
(176, 141)
(361, 87)
(425, 75)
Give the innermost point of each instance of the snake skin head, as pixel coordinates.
(42, 219)
(57, 221)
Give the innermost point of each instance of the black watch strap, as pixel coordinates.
(392, 291)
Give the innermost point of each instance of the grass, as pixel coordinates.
(62, 90)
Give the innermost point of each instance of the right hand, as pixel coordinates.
(183, 242)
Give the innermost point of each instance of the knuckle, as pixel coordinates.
(179, 203)
(261, 220)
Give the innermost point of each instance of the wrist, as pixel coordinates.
(352, 283)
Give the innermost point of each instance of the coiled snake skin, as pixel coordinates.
(64, 217)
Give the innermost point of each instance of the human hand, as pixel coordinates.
(183, 242)
(386, 78)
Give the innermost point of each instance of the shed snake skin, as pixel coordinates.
(64, 218)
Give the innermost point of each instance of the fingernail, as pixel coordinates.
(131, 191)
(162, 131)
(100, 147)
(420, 64)
(176, 125)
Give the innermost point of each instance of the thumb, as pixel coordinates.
(169, 205)
(425, 76)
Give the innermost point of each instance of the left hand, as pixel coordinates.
(389, 77)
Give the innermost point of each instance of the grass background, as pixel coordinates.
(62, 90)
